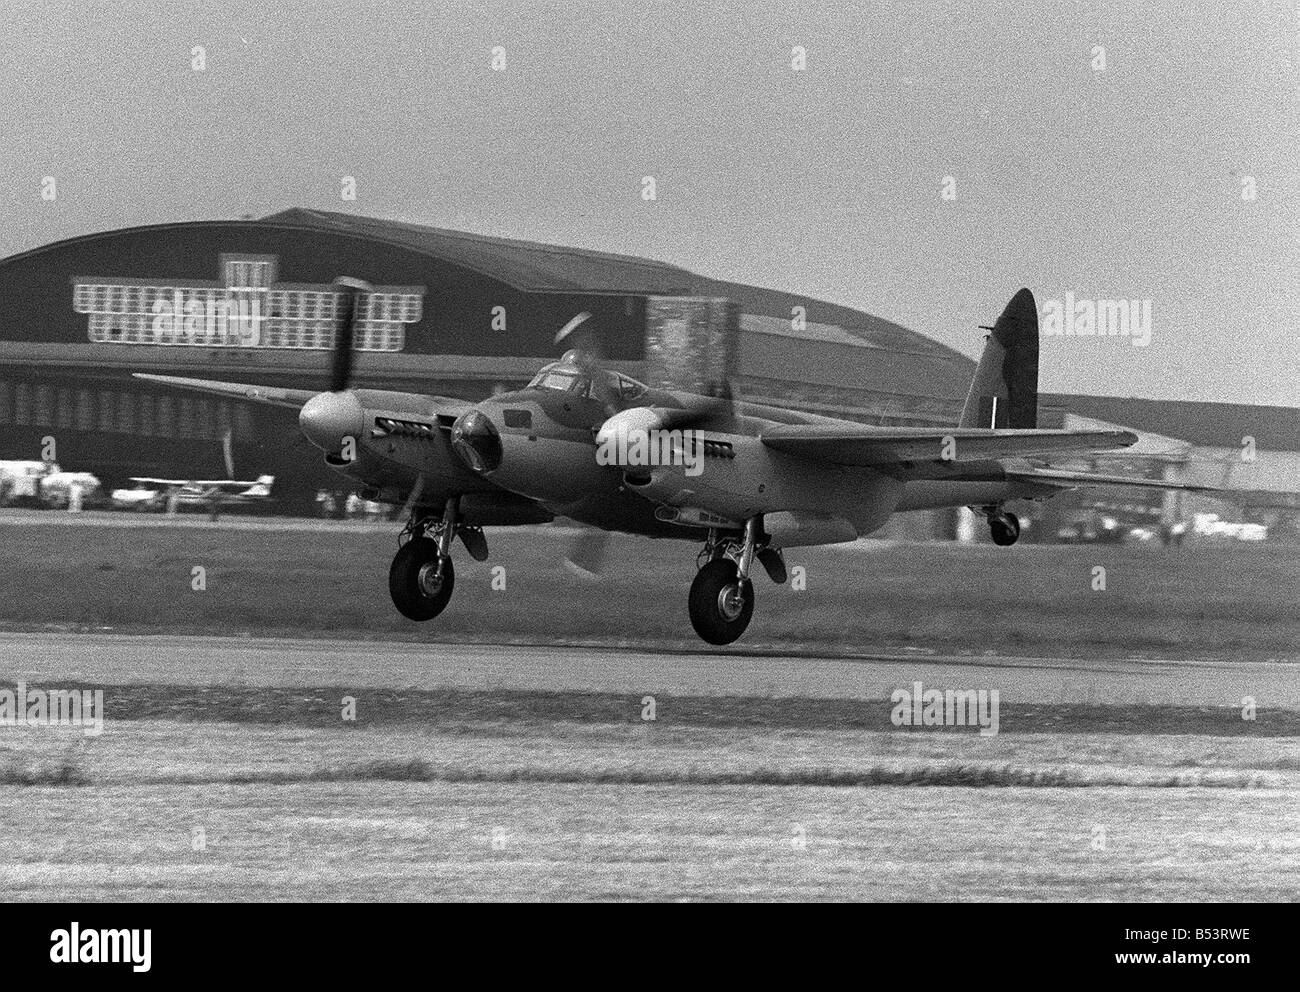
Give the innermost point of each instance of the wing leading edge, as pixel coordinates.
(273, 395)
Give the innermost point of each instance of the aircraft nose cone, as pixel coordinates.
(474, 437)
(328, 418)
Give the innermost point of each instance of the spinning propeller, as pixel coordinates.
(344, 341)
(327, 418)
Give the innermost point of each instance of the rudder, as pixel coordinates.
(1004, 391)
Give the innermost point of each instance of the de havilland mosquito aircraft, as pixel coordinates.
(741, 479)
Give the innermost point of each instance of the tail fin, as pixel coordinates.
(1004, 392)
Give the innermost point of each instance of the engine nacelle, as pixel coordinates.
(742, 477)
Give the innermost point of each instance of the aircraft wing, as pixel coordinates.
(896, 447)
(1062, 479)
(273, 395)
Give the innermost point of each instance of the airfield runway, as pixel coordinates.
(228, 770)
(118, 659)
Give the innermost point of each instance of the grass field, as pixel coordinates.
(1201, 601)
(354, 841)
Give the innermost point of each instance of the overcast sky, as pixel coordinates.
(1125, 182)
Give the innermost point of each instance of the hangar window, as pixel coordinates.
(206, 418)
(125, 411)
(106, 410)
(22, 403)
(64, 407)
(185, 416)
(44, 405)
(85, 410)
(247, 272)
(146, 415)
(165, 422)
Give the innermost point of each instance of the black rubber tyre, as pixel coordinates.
(1005, 532)
(413, 597)
(715, 613)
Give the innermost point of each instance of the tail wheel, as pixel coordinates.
(419, 589)
(1004, 529)
(721, 604)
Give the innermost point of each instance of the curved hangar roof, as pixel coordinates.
(535, 267)
(526, 265)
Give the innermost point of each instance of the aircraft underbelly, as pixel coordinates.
(931, 494)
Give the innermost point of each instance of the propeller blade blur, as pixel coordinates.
(586, 555)
(344, 341)
(228, 453)
(413, 500)
(571, 326)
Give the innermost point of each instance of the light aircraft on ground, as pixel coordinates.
(742, 480)
(150, 494)
(154, 494)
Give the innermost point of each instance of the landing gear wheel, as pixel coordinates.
(418, 591)
(1004, 529)
(720, 603)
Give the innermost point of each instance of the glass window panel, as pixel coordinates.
(85, 410)
(22, 403)
(44, 405)
(107, 406)
(165, 418)
(184, 417)
(125, 423)
(147, 427)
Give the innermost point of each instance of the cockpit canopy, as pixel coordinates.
(595, 383)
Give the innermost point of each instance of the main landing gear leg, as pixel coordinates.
(422, 578)
(721, 600)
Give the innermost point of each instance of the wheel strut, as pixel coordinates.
(747, 549)
(448, 529)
